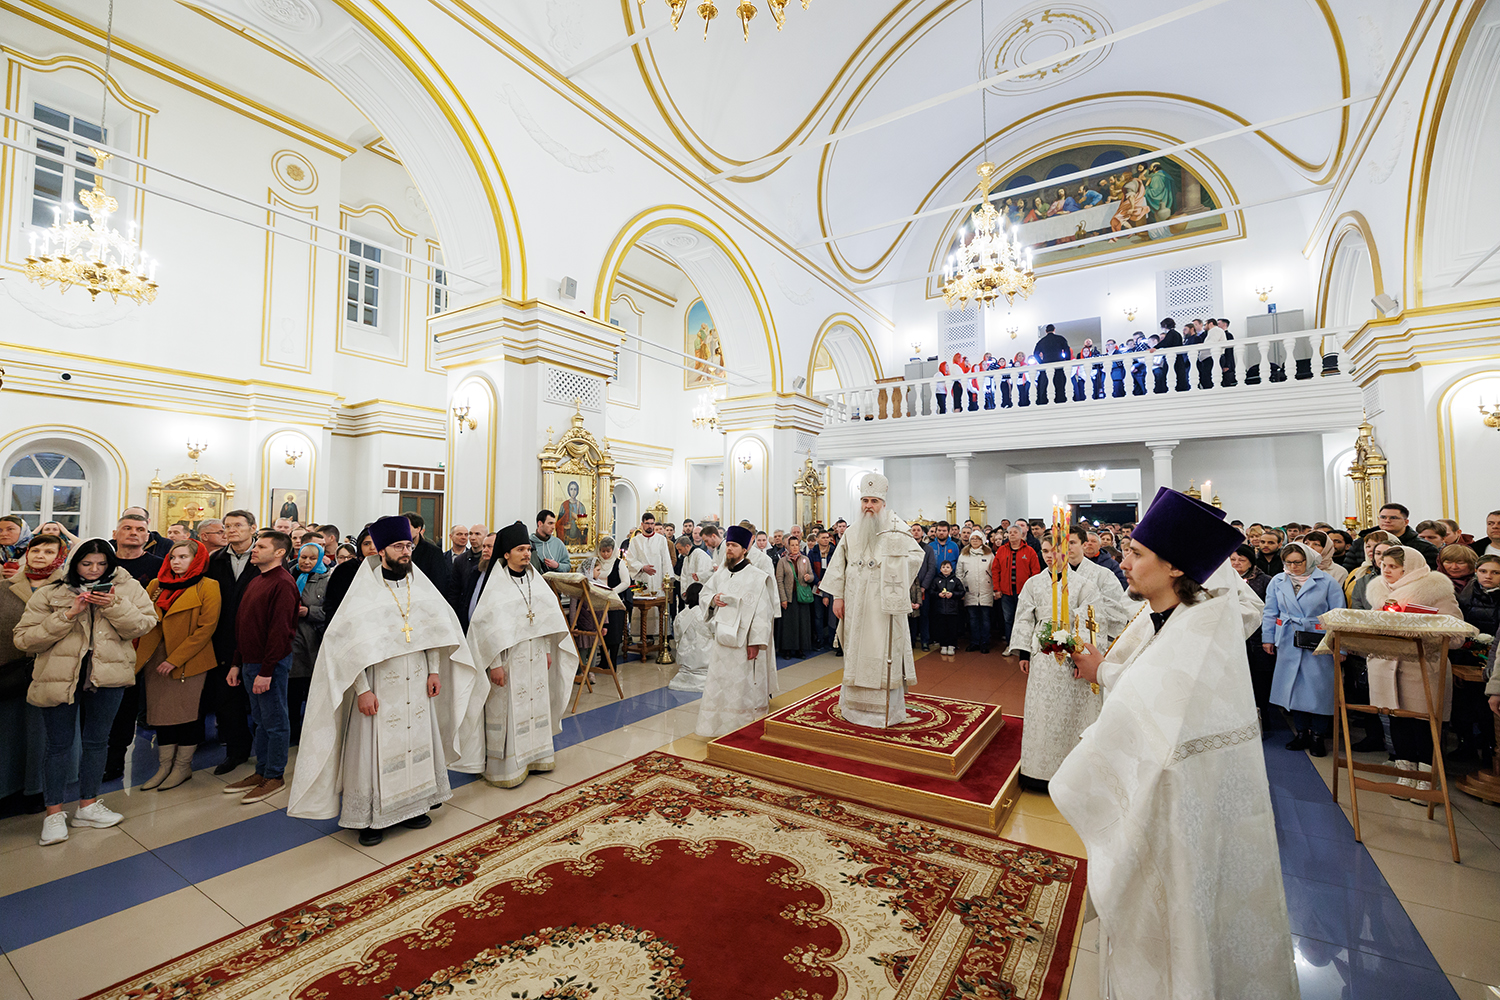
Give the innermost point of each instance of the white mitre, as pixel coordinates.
(873, 484)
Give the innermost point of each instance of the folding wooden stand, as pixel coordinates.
(587, 616)
(1343, 753)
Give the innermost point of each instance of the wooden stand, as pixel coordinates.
(1343, 753)
(587, 615)
(643, 646)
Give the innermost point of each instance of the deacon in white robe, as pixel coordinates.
(869, 579)
(1168, 789)
(392, 683)
(1059, 706)
(649, 558)
(736, 605)
(521, 642)
(696, 567)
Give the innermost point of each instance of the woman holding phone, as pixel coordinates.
(80, 628)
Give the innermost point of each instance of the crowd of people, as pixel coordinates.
(101, 639)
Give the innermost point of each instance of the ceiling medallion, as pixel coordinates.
(1034, 36)
(294, 172)
(991, 264)
(745, 11)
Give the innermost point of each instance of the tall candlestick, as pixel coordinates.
(1065, 619)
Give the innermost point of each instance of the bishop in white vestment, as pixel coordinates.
(869, 579)
(392, 683)
(1059, 706)
(1168, 788)
(736, 605)
(521, 642)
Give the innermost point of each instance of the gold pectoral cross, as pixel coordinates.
(531, 616)
(407, 629)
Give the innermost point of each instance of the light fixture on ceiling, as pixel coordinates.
(705, 412)
(1093, 477)
(745, 11)
(93, 255)
(992, 263)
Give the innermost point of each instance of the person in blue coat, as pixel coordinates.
(1303, 683)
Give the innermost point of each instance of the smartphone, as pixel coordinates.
(100, 587)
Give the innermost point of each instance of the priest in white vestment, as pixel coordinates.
(1168, 788)
(649, 558)
(736, 606)
(521, 642)
(869, 579)
(390, 688)
(697, 566)
(1059, 706)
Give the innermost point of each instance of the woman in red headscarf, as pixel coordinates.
(958, 368)
(174, 657)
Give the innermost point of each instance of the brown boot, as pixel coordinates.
(164, 757)
(182, 767)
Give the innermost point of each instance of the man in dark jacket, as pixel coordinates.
(1098, 558)
(1395, 520)
(923, 626)
(1268, 560)
(230, 568)
(1490, 544)
(430, 559)
(1171, 339)
(1050, 349)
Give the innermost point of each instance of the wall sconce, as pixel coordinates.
(292, 456)
(916, 348)
(744, 458)
(1265, 292)
(194, 450)
(461, 415)
(1130, 312)
(1490, 413)
(1013, 330)
(658, 480)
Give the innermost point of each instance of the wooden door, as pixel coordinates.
(430, 507)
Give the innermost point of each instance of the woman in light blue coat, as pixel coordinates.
(1303, 683)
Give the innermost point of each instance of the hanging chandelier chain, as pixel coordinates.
(109, 44)
(984, 104)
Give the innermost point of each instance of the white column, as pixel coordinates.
(1161, 467)
(961, 485)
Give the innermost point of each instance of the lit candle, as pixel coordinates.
(1067, 545)
(1052, 570)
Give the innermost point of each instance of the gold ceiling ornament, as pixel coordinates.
(745, 11)
(991, 263)
(93, 255)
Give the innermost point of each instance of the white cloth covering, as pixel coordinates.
(695, 642)
(375, 771)
(649, 550)
(1168, 792)
(738, 689)
(875, 586)
(1059, 706)
(521, 716)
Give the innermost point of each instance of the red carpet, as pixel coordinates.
(669, 878)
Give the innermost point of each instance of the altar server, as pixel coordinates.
(869, 579)
(649, 557)
(389, 692)
(1059, 706)
(1168, 788)
(736, 604)
(520, 640)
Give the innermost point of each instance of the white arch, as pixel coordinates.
(103, 466)
(305, 470)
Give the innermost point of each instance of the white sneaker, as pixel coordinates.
(97, 815)
(54, 829)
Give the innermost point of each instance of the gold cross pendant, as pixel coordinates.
(407, 630)
(531, 616)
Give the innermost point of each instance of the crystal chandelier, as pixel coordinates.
(705, 412)
(93, 255)
(746, 12)
(990, 264)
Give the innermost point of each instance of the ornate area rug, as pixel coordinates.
(942, 736)
(669, 878)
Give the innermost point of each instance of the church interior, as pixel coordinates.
(724, 262)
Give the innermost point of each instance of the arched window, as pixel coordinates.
(47, 486)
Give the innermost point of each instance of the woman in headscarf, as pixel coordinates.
(1406, 580)
(1360, 577)
(1303, 682)
(23, 743)
(1318, 541)
(312, 586)
(14, 534)
(172, 659)
(607, 569)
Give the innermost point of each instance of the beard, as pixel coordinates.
(400, 569)
(861, 534)
(1135, 595)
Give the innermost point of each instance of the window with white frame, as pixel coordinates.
(46, 486)
(56, 173)
(362, 291)
(439, 291)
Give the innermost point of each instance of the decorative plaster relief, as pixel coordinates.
(1041, 32)
(1374, 47)
(291, 14)
(1382, 167)
(562, 19)
(591, 163)
(294, 172)
(795, 298)
(72, 311)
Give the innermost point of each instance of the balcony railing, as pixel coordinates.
(1258, 367)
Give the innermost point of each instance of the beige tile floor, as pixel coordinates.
(1457, 908)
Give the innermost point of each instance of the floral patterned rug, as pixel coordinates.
(668, 878)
